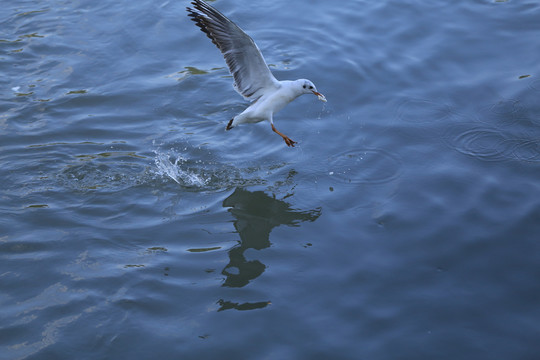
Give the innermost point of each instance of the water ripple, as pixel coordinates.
(526, 150)
(90, 175)
(491, 144)
(422, 111)
(364, 166)
(505, 112)
(507, 107)
(485, 144)
(535, 85)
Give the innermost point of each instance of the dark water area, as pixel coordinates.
(404, 225)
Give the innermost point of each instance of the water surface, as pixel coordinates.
(404, 225)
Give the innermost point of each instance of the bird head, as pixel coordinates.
(309, 88)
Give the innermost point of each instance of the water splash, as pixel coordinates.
(178, 169)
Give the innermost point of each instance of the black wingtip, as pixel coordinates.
(200, 15)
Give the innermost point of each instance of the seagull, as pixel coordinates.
(252, 77)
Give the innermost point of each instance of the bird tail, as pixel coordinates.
(230, 124)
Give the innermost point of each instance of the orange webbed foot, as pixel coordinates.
(289, 141)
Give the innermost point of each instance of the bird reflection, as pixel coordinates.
(256, 214)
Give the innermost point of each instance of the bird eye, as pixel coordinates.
(304, 86)
(311, 87)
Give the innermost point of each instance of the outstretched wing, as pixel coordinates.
(252, 77)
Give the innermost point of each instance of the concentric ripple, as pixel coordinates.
(526, 150)
(422, 111)
(481, 143)
(364, 166)
(491, 144)
(358, 178)
(504, 113)
(508, 107)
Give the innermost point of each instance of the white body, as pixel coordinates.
(268, 104)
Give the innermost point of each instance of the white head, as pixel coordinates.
(307, 87)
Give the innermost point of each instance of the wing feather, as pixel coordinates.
(244, 59)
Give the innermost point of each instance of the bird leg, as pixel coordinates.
(288, 140)
(229, 125)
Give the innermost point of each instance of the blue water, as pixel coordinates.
(404, 225)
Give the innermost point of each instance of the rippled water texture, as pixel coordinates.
(404, 224)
